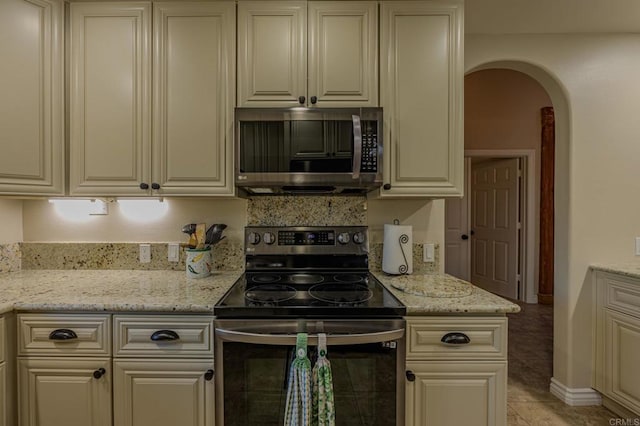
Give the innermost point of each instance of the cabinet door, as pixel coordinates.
(110, 78)
(343, 53)
(194, 81)
(272, 53)
(153, 392)
(61, 391)
(622, 346)
(457, 393)
(31, 104)
(422, 96)
(3, 395)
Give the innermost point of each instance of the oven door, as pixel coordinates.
(253, 358)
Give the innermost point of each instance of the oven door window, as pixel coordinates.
(255, 384)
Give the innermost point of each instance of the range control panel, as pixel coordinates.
(306, 240)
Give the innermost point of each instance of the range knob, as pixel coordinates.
(254, 238)
(358, 237)
(269, 238)
(343, 238)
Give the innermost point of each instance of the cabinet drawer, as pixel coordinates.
(163, 336)
(53, 334)
(3, 334)
(487, 338)
(622, 296)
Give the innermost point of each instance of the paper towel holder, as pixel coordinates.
(403, 239)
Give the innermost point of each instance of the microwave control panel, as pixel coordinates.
(369, 147)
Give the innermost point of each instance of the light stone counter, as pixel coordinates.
(109, 290)
(628, 269)
(429, 294)
(172, 291)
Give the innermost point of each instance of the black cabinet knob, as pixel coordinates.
(99, 373)
(301, 99)
(455, 339)
(164, 335)
(386, 186)
(314, 99)
(208, 375)
(144, 185)
(155, 186)
(464, 237)
(63, 334)
(410, 376)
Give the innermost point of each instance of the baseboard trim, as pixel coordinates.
(576, 397)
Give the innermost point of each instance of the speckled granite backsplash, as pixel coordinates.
(10, 257)
(227, 256)
(307, 211)
(419, 266)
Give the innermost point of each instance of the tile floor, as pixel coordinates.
(529, 401)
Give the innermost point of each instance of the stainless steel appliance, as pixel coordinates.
(313, 280)
(308, 150)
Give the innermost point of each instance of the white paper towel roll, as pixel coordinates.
(397, 249)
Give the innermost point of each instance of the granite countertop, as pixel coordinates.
(428, 294)
(172, 291)
(109, 290)
(628, 269)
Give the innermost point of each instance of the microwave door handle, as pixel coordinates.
(357, 146)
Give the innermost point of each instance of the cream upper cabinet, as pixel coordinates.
(421, 85)
(32, 103)
(193, 92)
(132, 137)
(307, 53)
(110, 81)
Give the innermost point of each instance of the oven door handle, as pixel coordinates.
(290, 339)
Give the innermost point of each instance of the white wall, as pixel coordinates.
(10, 221)
(43, 223)
(597, 151)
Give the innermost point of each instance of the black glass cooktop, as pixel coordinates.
(326, 295)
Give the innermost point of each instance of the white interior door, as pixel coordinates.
(495, 201)
(457, 256)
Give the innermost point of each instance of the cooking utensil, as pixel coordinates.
(214, 233)
(190, 230)
(200, 234)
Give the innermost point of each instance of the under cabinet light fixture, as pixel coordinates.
(79, 209)
(143, 209)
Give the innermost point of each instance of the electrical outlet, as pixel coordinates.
(428, 253)
(145, 253)
(173, 250)
(637, 246)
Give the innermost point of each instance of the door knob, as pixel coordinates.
(301, 99)
(464, 237)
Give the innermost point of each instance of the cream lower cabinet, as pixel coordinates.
(115, 148)
(462, 382)
(421, 92)
(69, 392)
(64, 370)
(617, 342)
(31, 100)
(316, 54)
(163, 371)
(7, 370)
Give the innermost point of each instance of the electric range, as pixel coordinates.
(305, 272)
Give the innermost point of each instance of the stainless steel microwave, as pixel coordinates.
(308, 150)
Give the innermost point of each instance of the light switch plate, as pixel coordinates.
(145, 253)
(173, 251)
(637, 246)
(428, 253)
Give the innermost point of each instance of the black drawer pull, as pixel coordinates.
(62, 334)
(410, 376)
(455, 339)
(164, 335)
(99, 373)
(208, 375)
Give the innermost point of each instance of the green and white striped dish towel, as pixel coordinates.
(298, 409)
(323, 413)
